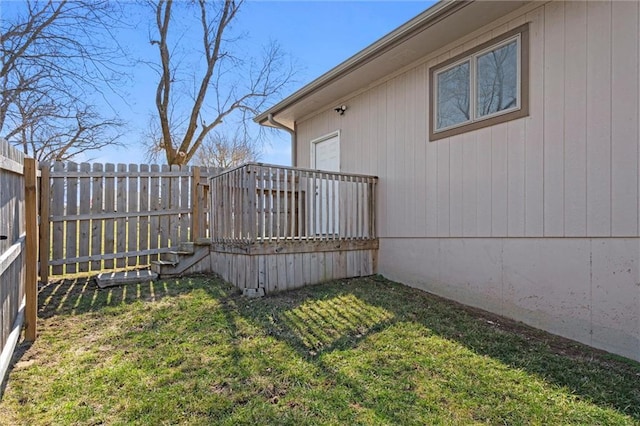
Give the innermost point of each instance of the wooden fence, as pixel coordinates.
(259, 202)
(18, 250)
(105, 217)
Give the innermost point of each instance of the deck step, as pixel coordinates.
(111, 279)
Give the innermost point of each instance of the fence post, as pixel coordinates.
(43, 251)
(196, 210)
(31, 212)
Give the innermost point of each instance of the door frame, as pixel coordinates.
(323, 138)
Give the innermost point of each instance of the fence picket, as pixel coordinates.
(96, 223)
(57, 207)
(154, 200)
(143, 221)
(106, 216)
(71, 236)
(185, 191)
(109, 207)
(85, 225)
(121, 206)
(133, 230)
(174, 203)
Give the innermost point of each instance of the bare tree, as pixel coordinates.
(58, 57)
(224, 151)
(226, 84)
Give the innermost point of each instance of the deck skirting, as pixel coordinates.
(293, 264)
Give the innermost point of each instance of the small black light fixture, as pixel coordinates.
(340, 109)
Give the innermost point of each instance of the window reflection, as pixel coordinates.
(497, 80)
(453, 96)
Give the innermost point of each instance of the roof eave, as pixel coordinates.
(433, 14)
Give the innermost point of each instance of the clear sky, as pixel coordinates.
(318, 35)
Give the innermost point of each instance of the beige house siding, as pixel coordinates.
(549, 174)
(502, 195)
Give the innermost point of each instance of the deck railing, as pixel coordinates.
(261, 202)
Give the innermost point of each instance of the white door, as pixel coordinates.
(325, 155)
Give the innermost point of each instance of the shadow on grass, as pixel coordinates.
(336, 316)
(319, 320)
(82, 295)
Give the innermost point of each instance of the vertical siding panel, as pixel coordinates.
(443, 195)
(394, 215)
(598, 119)
(483, 142)
(499, 214)
(455, 186)
(624, 115)
(553, 120)
(515, 178)
(534, 128)
(409, 118)
(469, 185)
(380, 112)
(420, 153)
(431, 175)
(575, 114)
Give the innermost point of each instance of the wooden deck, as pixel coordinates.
(280, 228)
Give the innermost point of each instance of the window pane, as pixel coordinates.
(497, 80)
(453, 96)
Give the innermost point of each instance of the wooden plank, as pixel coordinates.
(154, 201)
(109, 223)
(85, 224)
(133, 230)
(165, 204)
(625, 91)
(281, 262)
(143, 222)
(44, 229)
(340, 264)
(71, 236)
(273, 281)
(112, 279)
(115, 174)
(31, 254)
(121, 224)
(57, 208)
(328, 266)
(111, 256)
(308, 258)
(117, 215)
(174, 202)
(298, 275)
(185, 220)
(262, 272)
(96, 224)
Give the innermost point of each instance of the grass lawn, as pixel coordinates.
(363, 351)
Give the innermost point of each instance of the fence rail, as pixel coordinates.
(108, 216)
(258, 202)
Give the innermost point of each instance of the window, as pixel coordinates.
(485, 86)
